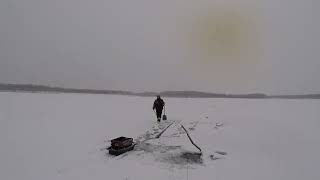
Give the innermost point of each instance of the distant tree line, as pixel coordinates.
(182, 94)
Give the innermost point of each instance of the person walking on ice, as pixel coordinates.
(158, 106)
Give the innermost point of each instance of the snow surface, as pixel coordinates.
(63, 136)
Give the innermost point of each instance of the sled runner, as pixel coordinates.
(117, 152)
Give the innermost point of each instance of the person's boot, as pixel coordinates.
(158, 119)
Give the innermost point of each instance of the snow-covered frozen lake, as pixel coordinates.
(63, 136)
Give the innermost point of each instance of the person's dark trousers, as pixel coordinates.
(159, 113)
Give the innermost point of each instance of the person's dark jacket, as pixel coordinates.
(158, 104)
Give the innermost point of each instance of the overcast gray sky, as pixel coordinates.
(232, 46)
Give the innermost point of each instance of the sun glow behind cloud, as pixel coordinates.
(221, 43)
